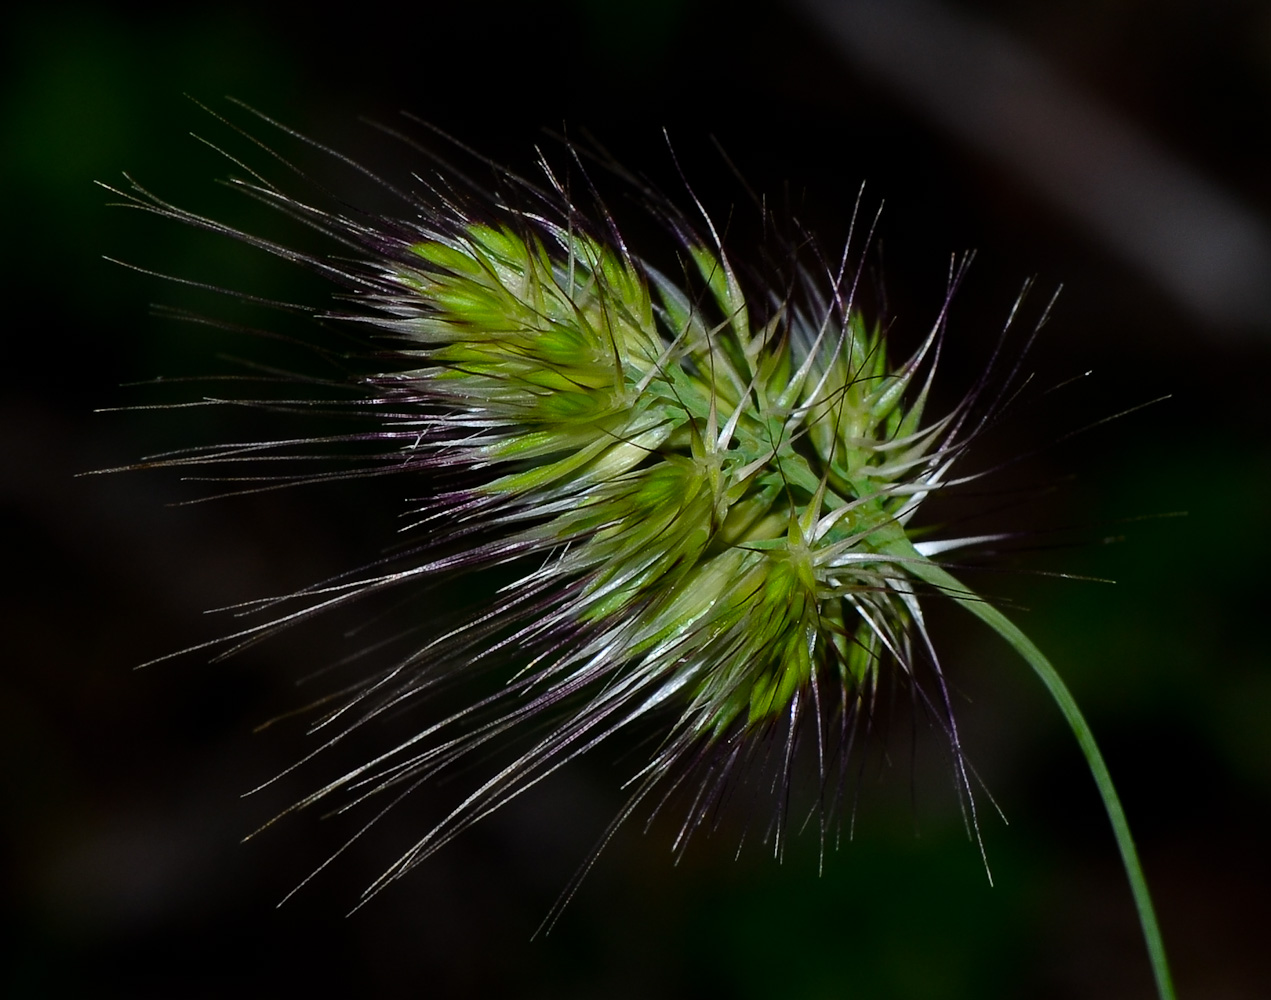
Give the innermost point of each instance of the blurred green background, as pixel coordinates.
(123, 874)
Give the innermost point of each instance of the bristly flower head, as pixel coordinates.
(706, 481)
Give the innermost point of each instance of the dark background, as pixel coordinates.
(123, 873)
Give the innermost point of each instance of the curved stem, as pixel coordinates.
(1008, 630)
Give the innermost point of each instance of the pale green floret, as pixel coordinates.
(730, 496)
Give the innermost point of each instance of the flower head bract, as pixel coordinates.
(702, 487)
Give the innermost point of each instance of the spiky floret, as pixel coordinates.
(707, 485)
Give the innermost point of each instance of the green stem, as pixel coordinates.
(1008, 630)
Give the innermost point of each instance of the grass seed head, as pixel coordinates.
(703, 484)
(703, 487)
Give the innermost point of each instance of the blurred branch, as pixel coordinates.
(1211, 254)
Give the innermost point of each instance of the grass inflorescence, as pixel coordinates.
(704, 485)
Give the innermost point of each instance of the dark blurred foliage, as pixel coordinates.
(123, 873)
